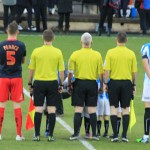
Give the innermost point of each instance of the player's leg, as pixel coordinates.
(146, 100)
(2, 110)
(4, 96)
(106, 126)
(39, 98)
(47, 121)
(118, 121)
(91, 103)
(99, 124)
(113, 119)
(86, 122)
(18, 120)
(114, 93)
(106, 113)
(16, 86)
(52, 100)
(126, 95)
(78, 101)
(99, 112)
(125, 123)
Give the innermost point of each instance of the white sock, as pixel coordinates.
(145, 136)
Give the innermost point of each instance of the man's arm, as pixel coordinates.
(106, 79)
(23, 60)
(61, 73)
(30, 79)
(134, 74)
(70, 75)
(69, 86)
(106, 76)
(101, 83)
(146, 66)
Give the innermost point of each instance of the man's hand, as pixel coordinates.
(30, 89)
(60, 88)
(133, 91)
(69, 89)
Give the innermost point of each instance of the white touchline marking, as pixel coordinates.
(67, 127)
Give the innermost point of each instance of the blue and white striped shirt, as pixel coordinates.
(145, 51)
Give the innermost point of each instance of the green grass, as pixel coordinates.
(68, 44)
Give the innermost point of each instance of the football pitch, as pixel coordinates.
(64, 125)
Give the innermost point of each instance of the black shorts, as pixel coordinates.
(120, 91)
(84, 92)
(45, 90)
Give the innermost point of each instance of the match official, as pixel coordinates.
(120, 67)
(86, 65)
(44, 65)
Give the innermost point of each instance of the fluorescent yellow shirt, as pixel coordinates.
(121, 62)
(86, 63)
(46, 61)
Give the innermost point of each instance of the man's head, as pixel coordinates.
(86, 39)
(48, 35)
(121, 37)
(12, 29)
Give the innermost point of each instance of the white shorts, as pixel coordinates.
(119, 108)
(103, 106)
(146, 93)
(85, 112)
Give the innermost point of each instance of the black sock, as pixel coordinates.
(93, 122)
(125, 123)
(147, 121)
(52, 120)
(99, 124)
(77, 123)
(106, 125)
(80, 125)
(113, 119)
(47, 124)
(87, 125)
(37, 123)
(118, 124)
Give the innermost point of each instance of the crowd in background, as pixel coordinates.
(41, 8)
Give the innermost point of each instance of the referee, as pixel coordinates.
(120, 67)
(45, 62)
(86, 65)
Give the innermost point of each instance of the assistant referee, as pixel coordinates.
(44, 65)
(86, 65)
(120, 67)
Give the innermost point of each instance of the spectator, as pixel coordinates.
(40, 9)
(105, 11)
(51, 6)
(143, 7)
(124, 6)
(12, 55)
(122, 82)
(8, 18)
(86, 64)
(45, 81)
(21, 5)
(64, 10)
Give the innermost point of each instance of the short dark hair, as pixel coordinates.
(122, 37)
(12, 28)
(48, 35)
